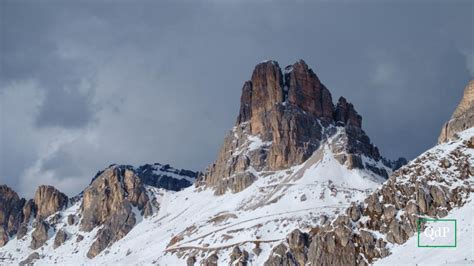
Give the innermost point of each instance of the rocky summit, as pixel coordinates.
(284, 118)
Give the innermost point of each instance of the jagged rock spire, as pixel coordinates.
(283, 119)
(298, 87)
(463, 116)
(306, 91)
(346, 114)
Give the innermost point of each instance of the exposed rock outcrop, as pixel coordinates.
(31, 259)
(39, 235)
(11, 215)
(463, 116)
(14, 211)
(49, 200)
(60, 238)
(283, 119)
(108, 201)
(414, 191)
(165, 176)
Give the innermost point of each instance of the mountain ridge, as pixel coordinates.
(297, 181)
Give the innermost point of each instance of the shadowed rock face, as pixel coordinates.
(165, 176)
(108, 201)
(306, 91)
(463, 116)
(283, 119)
(39, 235)
(49, 200)
(10, 213)
(15, 213)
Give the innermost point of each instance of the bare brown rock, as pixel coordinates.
(346, 114)
(307, 92)
(463, 116)
(267, 90)
(22, 231)
(70, 219)
(11, 215)
(108, 201)
(3, 237)
(49, 200)
(289, 116)
(60, 238)
(39, 235)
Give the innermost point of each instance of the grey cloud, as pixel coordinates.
(165, 78)
(65, 108)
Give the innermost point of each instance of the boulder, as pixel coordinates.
(190, 261)
(70, 219)
(39, 235)
(49, 200)
(212, 260)
(61, 237)
(30, 259)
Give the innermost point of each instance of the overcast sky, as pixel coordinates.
(85, 84)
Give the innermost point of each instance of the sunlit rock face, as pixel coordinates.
(463, 116)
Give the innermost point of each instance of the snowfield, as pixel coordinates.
(463, 254)
(195, 221)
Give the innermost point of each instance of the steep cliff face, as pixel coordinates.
(49, 200)
(11, 215)
(15, 212)
(462, 118)
(283, 119)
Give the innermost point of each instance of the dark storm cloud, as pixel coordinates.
(139, 82)
(65, 108)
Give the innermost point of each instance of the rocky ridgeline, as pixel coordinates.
(112, 201)
(283, 119)
(463, 116)
(108, 202)
(429, 186)
(16, 212)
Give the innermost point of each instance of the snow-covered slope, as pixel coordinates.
(195, 220)
(463, 254)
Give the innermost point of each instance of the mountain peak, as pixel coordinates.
(463, 116)
(283, 119)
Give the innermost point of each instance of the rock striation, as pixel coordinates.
(463, 116)
(109, 201)
(283, 118)
(49, 200)
(11, 215)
